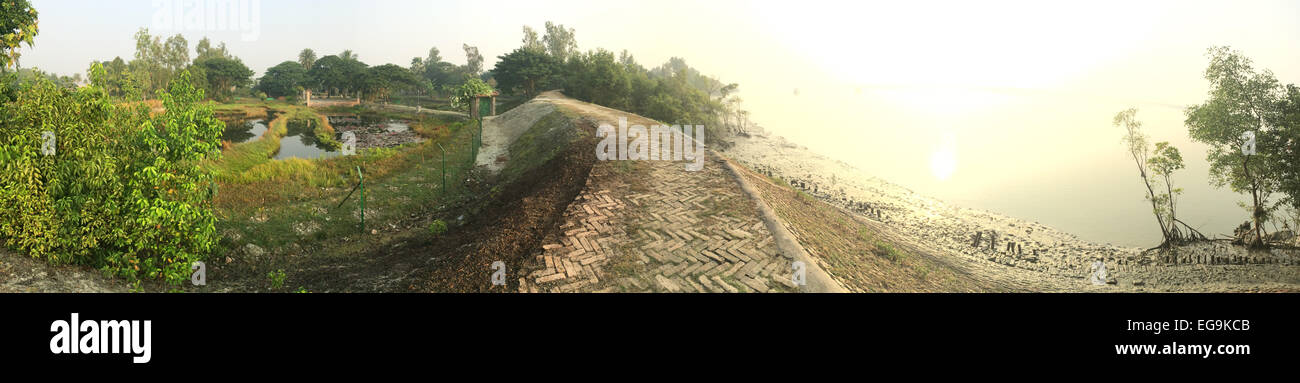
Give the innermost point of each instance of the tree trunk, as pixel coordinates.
(1164, 232)
(1254, 194)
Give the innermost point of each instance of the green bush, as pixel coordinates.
(277, 278)
(437, 227)
(123, 192)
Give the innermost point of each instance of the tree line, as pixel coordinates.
(346, 75)
(672, 93)
(157, 62)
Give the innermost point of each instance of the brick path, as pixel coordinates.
(674, 231)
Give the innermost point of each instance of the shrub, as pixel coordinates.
(437, 227)
(277, 278)
(123, 192)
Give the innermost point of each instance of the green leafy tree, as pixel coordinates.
(597, 77)
(531, 40)
(524, 70)
(338, 75)
(205, 51)
(175, 54)
(18, 25)
(438, 73)
(282, 80)
(222, 74)
(1284, 142)
(464, 94)
(1166, 160)
(1140, 150)
(327, 74)
(560, 42)
(473, 60)
(382, 80)
(1240, 100)
(349, 55)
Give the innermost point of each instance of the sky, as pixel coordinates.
(1002, 105)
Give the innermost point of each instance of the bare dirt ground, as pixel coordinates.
(21, 274)
(1039, 258)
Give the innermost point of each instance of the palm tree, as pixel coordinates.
(348, 55)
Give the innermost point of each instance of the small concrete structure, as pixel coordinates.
(483, 105)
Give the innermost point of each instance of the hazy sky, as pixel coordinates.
(1016, 96)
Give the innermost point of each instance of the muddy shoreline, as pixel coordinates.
(988, 242)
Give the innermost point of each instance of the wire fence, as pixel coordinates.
(439, 175)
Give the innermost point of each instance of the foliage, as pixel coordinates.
(380, 81)
(531, 41)
(673, 93)
(277, 278)
(524, 70)
(1165, 161)
(307, 58)
(473, 60)
(18, 25)
(1240, 100)
(1140, 150)
(222, 74)
(1284, 142)
(463, 95)
(596, 76)
(437, 227)
(123, 191)
(118, 79)
(157, 61)
(337, 73)
(282, 80)
(560, 42)
(206, 51)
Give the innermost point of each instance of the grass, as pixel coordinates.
(547, 138)
(277, 203)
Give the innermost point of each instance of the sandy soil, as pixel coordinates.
(1040, 258)
(20, 274)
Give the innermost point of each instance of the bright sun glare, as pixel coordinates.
(943, 163)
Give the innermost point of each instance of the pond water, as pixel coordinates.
(300, 141)
(241, 131)
(375, 132)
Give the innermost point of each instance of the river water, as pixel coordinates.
(1051, 158)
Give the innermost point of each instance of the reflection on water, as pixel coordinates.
(300, 141)
(241, 131)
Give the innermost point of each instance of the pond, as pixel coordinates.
(300, 141)
(375, 133)
(240, 131)
(300, 138)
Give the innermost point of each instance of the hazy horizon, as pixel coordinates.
(1018, 96)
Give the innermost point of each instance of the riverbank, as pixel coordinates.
(1015, 251)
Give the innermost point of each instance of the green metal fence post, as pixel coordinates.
(363, 199)
(444, 169)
